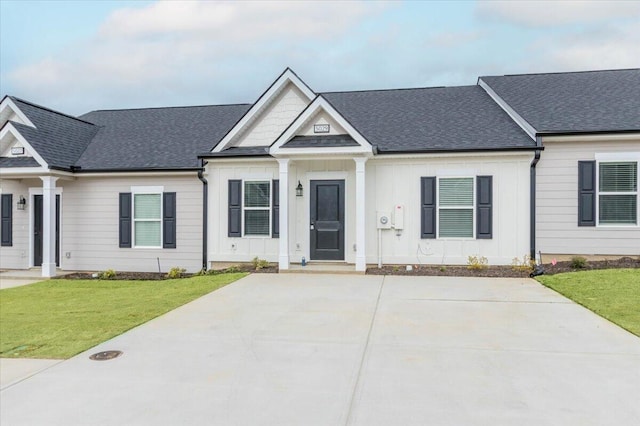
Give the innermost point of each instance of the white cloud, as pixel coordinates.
(191, 47)
(608, 47)
(555, 13)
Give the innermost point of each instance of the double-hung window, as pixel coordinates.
(455, 207)
(147, 220)
(618, 193)
(257, 207)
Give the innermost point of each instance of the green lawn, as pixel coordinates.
(611, 293)
(61, 318)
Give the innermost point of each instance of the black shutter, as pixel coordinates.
(428, 207)
(235, 208)
(586, 193)
(6, 228)
(169, 220)
(275, 210)
(484, 207)
(125, 219)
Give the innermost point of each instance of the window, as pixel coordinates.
(147, 220)
(618, 193)
(257, 207)
(455, 207)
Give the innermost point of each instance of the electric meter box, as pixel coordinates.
(383, 219)
(398, 216)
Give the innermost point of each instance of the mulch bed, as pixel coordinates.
(156, 276)
(418, 270)
(501, 271)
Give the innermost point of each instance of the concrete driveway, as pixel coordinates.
(362, 350)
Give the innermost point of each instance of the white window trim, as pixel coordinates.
(473, 208)
(617, 158)
(146, 190)
(270, 208)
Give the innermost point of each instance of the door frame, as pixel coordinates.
(333, 175)
(38, 191)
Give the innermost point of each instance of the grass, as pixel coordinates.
(611, 293)
(61, 318)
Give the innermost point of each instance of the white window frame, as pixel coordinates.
(473, 208)
(617, 158)
(146, 190)
(270, 208)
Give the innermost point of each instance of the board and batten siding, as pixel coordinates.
(90, 223)
(17, 255)
(397, 181)
(557, 230)
(389, 181)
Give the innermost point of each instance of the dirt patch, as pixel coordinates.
(501, 271)
(156, 276)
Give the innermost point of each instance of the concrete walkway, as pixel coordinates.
(351, 350)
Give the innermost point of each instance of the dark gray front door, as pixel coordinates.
(38, 235)
(327, 220)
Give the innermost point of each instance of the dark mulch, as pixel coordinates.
(154, 276)
(501, 271)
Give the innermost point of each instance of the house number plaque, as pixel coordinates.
(320, 128)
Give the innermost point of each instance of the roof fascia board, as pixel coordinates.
(520, 121)
(456, 154)
(9, 128)
(593, 137)
(141, 173)
(320, 103)
(288, 76)
(7, 102)
(19, 171)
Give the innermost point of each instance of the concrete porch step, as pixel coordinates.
(322, 268)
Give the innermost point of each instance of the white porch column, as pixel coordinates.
(361, 257)
(48, 226)
(283, 257)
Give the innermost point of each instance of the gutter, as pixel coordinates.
(532, 199)
(205, 212)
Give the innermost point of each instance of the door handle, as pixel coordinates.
(312, 226)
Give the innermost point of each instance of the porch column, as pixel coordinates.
(361, 257)
(49, 226)
(283, 257)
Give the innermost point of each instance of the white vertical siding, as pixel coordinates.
(557, 202)
(389, 182)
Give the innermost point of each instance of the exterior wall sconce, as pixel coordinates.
(299, 190)
(22, 203)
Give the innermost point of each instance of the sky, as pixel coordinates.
(78, 56)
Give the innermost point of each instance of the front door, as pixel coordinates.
(38, 233)
(327, 220)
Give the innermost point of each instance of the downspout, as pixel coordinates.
(205, 212)
(532, 201)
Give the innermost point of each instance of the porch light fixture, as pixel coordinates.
(299, 190)
(22, 203)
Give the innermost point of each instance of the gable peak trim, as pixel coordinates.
(319, 104)
(10, 128)
(8, 102)
(286, 77)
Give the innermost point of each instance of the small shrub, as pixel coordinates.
(176, 272)
(527, 264)
(259, 263)
(232, 269)
(476, 263)
(578, 262)
(108, 274)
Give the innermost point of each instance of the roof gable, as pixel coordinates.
(320, 111)
(287, 96)
(9, 111)
(575, 102)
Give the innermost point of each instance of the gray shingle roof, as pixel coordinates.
(59, 138)
(156, 138)
(574, 102)
(431, 119)
(239, 151)
(18, 162)
(320, 141)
